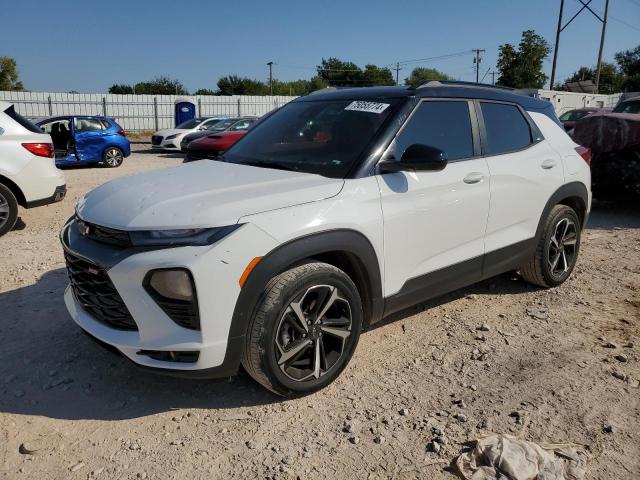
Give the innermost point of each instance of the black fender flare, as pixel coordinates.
(569, 190)
(294, 251)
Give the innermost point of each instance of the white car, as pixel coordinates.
(333, 212)
(169, 139)
(28, 174)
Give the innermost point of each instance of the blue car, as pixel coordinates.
(79, 140)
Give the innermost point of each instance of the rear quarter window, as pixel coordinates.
(506, 128)
(11, 112)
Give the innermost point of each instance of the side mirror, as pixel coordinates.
(416, 157)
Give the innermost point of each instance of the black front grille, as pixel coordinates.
(97, 295)
(156, 140)
(111, 236)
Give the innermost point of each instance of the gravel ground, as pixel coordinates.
(555, 365)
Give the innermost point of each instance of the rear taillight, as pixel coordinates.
(585, 153)
(40, 149)
(122, 132)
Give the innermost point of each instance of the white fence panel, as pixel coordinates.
(137, 112)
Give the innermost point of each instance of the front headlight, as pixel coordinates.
(171, 137)
(182, 237)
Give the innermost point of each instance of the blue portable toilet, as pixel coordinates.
(185, 110)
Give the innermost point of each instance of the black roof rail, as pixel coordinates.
(460, 83)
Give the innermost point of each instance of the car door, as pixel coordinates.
(434, 221)
(525, 172)
(91, 138)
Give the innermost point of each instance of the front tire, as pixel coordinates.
(304, 331)
(557, 250)
(8, 210)
(112, 157)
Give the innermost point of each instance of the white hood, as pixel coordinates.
(200, 194)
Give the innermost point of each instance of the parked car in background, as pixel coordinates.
(81, 140)
(614, 139)
(221, 126)
(570, 118)
(211, 146)
(169, 139)
(335, 211)
(28, 174)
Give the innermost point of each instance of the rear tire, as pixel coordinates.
(304, 330)
(8, 210)
(557, 250)
(112, 157)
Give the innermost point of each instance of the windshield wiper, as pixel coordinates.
(275, 165)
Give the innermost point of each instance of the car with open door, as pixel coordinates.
(80, 140)
(338, 209)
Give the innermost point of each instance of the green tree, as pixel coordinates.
(235, 85)
(522, 68)
(611, 79)
(377, 76)
(420, 75)
(161, 86)
(204, 91)
(121, 89)
(9, 75)
(629, 63)
(337, 73)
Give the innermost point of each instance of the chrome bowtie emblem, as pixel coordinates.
(83, 228)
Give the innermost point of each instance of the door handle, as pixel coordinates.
(473, 177)
(548, 163)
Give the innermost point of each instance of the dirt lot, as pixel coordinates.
(497, 357)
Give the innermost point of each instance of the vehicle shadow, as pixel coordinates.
(607, 215)
(50, 368)
(505, 284)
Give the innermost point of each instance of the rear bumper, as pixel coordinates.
(58, 195)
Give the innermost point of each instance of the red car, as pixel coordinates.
(211, 146)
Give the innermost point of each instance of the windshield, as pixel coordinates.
(189, 124)
(628, 107)
(565, 117)
(221, 125)
(323, 137)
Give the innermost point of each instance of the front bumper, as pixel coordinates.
(215, 269)
(173, 144)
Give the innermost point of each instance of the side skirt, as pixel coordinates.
(463, 274)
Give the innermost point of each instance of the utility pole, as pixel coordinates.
(555, 50)
(604, 28)
(477, 61)
(270, 78)
(398, 73)
(493, 77)
(585, 6)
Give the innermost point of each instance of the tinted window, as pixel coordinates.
(326, 137)
(506, 128)
(628, 107)
(442, 124)
(88, 125)
(22, 121)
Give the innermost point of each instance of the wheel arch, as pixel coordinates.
(346, 249)
(574, 195)
(17, 192)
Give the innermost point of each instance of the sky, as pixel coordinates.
(82, 46)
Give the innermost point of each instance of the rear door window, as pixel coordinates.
(506, 128)
(441, 124)
(88, 125)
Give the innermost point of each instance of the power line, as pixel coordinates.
(439, 57)
(617, 19)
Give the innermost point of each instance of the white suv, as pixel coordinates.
(336, 210)
(28, 174)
